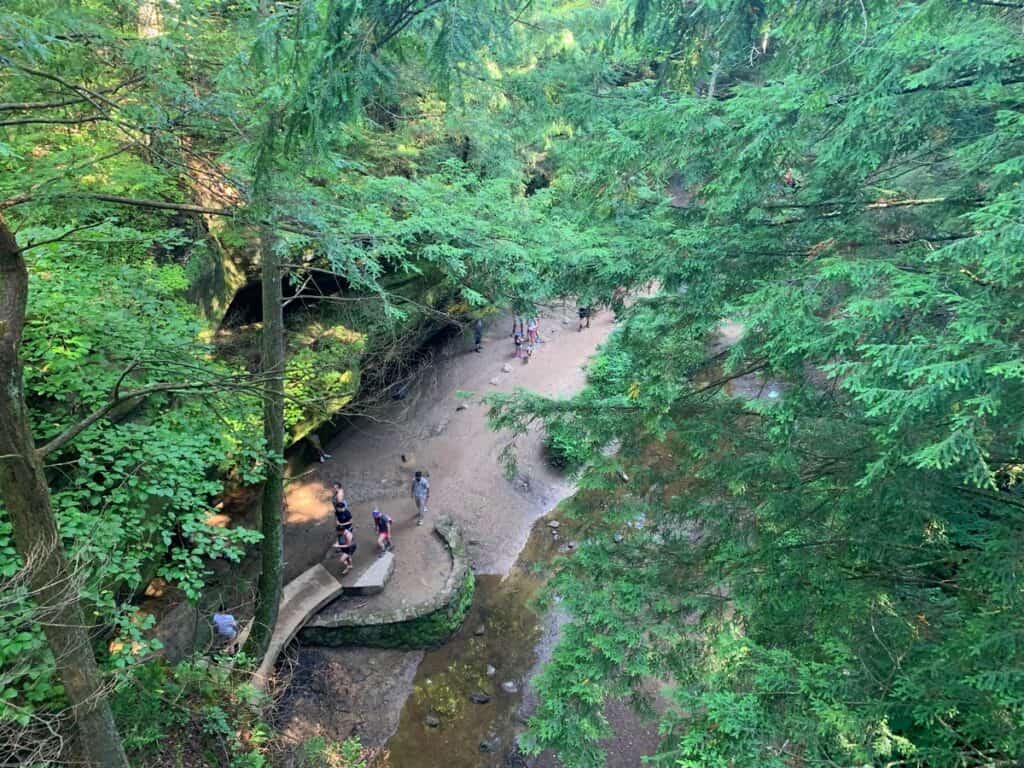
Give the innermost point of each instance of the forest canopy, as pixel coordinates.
(815, 386)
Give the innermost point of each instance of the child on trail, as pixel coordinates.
(518, 341)
(342, 513)
(420, 494)
(346, 547)
(528, 352)
(383, 523)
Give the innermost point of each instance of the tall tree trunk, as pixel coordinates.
(269, 587)
(26, 497)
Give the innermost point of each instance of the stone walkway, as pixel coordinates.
(447, 572)
(304, 596)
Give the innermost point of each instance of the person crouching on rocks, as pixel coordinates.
(226, 628)
(346, 547)
(383, 524)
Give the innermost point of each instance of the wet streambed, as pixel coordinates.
(467, 702)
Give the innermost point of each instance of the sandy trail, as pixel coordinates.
(362, 691)
(456, 449)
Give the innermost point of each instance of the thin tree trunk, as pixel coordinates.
(269, 586)
(26, 497)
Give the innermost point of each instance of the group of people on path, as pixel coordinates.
(525, 336)
(225, 626)
(345, 527)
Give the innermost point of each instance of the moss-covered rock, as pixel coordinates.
(423, 632)
(321, 375)
(419, 625)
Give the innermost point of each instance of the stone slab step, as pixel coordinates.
(301, 598)
(372, 580)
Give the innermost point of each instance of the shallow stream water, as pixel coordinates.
(502, 635)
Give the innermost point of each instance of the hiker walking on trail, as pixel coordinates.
(532, 330)
(518, 341)
(420, 494)
(346, 547)
(383, 524)
(343, 515)
(478, 334)
(341, 511)
(584, 313)
(518, 329)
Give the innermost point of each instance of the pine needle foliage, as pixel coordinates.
(818, 554)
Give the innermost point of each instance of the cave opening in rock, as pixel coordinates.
(246, 306)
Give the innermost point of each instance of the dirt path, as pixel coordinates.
(456, 449)
(336, 692)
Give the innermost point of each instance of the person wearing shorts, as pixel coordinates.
(517, 325)
(346, 547)
(532, 331)
(420, 494)
(383, 525)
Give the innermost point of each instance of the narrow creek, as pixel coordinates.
(493, 654)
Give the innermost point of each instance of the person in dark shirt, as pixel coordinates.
(383, 524)
(342, 513)
(478, 334)
(346, 547)
(584, 313)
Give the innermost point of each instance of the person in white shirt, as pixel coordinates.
(420, 494)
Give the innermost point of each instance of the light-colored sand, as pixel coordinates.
(456, 449)
(339, 691)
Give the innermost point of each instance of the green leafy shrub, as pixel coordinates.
(197, 709)
(565, 448)
(318, 752)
